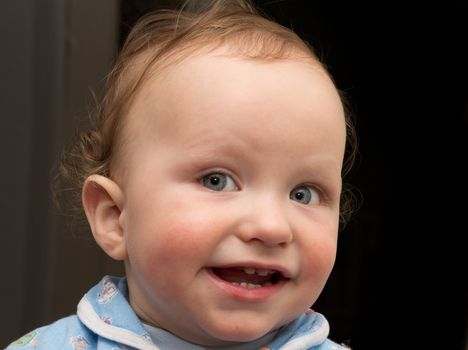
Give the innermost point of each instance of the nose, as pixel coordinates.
(266, 220)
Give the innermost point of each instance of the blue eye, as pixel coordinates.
(305, 195)
(219, 182)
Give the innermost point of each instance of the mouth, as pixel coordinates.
(249, 277)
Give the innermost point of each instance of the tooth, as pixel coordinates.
(249, 270)
(263, 272)
(243, 284)
(235, 283)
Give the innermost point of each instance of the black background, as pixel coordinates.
(400, 277)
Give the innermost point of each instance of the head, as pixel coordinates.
(214, 171)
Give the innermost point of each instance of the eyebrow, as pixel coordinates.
(207, 143)
(210, 154)
(230, 147)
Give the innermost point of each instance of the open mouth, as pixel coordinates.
(248, 277)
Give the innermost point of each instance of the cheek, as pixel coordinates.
(317, 263)
(174, 240)
(319, 258)
(182, 241)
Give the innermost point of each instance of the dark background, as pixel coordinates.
(400, 281)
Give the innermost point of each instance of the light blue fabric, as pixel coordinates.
(105, 321)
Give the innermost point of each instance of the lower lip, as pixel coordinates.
(246, 294)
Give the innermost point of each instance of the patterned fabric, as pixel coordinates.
(105, 321)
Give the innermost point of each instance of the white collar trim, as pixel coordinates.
(91, 319)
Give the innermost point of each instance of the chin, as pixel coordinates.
(227, 334)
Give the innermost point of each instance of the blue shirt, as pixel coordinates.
(106, 321)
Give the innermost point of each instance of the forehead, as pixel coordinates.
(214, 81)
(214, 96)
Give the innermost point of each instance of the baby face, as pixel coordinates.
(231, 196)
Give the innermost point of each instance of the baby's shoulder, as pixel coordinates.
(66, 333)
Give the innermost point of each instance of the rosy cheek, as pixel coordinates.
(179, 241)
(320, 257)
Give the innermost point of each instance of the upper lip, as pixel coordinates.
(285, 272)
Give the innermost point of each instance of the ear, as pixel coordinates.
(102, 201)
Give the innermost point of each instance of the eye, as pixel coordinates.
(305, 195)
(218, 182)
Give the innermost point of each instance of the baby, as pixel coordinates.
(213, 170)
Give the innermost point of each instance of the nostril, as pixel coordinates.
(269, 226)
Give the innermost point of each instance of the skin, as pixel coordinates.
(270, 127)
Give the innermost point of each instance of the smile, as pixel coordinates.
(248, 277)
(248, 283)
